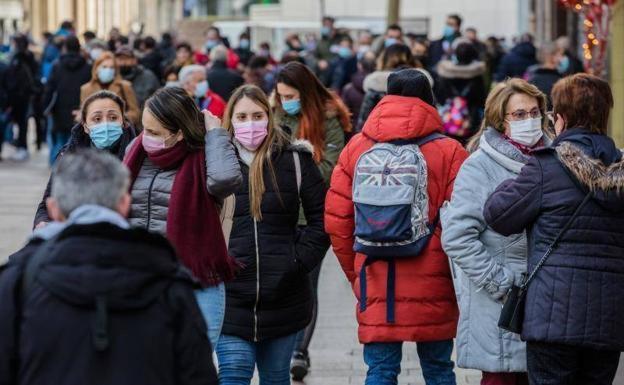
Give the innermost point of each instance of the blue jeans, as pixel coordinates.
(211, 301)
(56, 141)
(238, 358)
(384, 362)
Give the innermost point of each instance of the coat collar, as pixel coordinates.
(501, 151)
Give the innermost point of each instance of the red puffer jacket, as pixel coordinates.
(425, 308)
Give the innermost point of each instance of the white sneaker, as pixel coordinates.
(21, 155)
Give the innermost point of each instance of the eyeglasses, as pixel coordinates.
(523, 115)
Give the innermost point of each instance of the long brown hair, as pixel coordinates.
(177, 111)
(315, 101)
(496, 105)
(276, 138)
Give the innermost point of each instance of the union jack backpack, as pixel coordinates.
(391, 208)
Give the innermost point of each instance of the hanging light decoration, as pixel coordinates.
(596, 16)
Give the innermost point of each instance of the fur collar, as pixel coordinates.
(377, 81)
(591, 172)
(448, 69)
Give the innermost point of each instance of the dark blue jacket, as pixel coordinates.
(516, 62)
(577, 298)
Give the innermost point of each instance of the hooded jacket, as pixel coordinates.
(353, 96)
(66, 77)
(576, 297)
(101, 296)
(485, 263)
(515, 63)
(426, 307)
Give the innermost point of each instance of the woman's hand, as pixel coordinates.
(211, 121)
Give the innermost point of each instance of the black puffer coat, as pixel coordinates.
(576, 298)
(149, 318)
(271, 296)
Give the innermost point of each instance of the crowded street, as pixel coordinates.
(303, 192)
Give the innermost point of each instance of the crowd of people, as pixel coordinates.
(195, 193)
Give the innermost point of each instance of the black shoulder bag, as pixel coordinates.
(512, 315)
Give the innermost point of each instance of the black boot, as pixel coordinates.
(299, 365)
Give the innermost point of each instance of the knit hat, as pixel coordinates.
(410, 82)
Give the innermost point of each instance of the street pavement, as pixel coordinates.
(335, 352)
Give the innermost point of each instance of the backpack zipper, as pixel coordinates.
(257, 281)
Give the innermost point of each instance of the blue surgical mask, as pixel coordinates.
(244, 43)
(325, 31)
(449, 32)
(390, 41)
(345, 52)
(292, 107)
(105, 134)
(564, 65)
(201, 89)
(106, 75)
(210, 44)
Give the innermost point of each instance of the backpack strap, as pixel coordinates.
(419, 141)
(297, 161)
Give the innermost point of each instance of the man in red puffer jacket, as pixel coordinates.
(425, 309)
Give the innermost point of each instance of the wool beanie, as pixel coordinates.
(411, 82)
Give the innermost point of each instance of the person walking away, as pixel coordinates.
(105, 76)
(152, 58)
(21, 83)
(461, 91)
(442, 49)
(90, 289)
(396, 56)
(193, 79)
(222, 80)
(515, 63)
(485, 264)
(62, 93)
(305, 108)
(353, 93)
(568, 199)
(545, 75)
(102, 126)
(410, 297)
(144, 82)
(182, 167)
(270, 300)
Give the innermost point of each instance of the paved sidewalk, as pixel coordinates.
(335, 352)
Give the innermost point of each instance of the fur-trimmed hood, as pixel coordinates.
(607, 182)
(448, 69)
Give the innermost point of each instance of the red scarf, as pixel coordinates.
(193, 224)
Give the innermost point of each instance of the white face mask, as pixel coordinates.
(526, 132)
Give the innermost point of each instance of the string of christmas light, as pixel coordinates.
(596, 16)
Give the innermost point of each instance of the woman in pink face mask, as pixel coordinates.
(270, 298)
(183, 166)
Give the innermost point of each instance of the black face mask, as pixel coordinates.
(126, 70)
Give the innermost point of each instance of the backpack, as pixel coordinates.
(391, 208)
(455, 114)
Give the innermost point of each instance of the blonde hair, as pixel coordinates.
(496, 105)
(275, 138)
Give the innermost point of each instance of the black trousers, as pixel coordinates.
(556, 364)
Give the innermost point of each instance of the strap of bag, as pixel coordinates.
(297, 170)
(554, 243)
(420, 141)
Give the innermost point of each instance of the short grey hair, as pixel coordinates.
(186, 72)
(89, 177)
(218, 53)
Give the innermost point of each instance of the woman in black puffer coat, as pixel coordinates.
(100, 109)
(270, 300)
(574, 313)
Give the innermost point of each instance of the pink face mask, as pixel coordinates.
(251, 133)
(153, 144)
